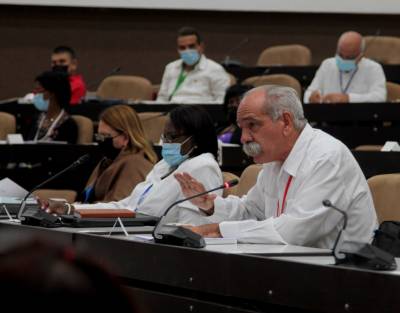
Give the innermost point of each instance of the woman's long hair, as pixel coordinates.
(124, 119)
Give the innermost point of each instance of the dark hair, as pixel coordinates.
(237, 90)
(195, 121)
(47, 277)
(65, 49)
(56, 82)
(188, 31)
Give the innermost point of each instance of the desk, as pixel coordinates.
(353, 123)
(176, 279)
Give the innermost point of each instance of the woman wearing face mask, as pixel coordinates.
(128, 156)
(52, 98)
(189, 144)
(230, 132)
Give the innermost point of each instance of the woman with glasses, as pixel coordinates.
(52, 97)
(189, 144)
(128, 156)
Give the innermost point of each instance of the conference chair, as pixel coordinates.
(153, 125)
(7, 125)
(393, 92)
(383, 49)
(232, 79)
(368, 148)
(385, 193)
(46, 194)
(125, 87)
(227, 176)
(274, 79)
(285, 55)
(85, 129)
(248, 179)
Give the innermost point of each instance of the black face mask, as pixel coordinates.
(108, 149)
(232, 111)
(60, 68)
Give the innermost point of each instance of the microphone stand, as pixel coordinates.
(339, 239)
(160, 237)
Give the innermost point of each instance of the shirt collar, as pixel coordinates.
(298, 152)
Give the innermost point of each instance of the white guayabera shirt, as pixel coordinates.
(321, 168)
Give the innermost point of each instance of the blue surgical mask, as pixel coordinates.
(190, 56)
(345, 65)
(40, 103)
(171, 153)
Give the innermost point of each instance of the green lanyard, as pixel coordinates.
(179, 82)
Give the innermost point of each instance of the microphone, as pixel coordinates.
(83, 159)
(360, 254)
(180, 236)
(227, 62)
(115, 70)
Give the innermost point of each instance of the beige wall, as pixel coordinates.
(143, 41)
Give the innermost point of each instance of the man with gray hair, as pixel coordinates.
(349, 76)
(302, 167)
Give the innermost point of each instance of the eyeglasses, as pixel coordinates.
(103, 137)
(168, 138)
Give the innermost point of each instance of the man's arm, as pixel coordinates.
(163, 95)
(314, 92)
(377, 87)
(220, 81)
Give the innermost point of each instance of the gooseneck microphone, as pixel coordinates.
(359, 254)
(336, 246)
(115, 70)
(83, 159)
(181, 236)
(230, 62)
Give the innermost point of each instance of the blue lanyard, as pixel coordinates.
(348, 83)
(143, 195)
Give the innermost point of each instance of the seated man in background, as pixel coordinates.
(302, 167)
(64, 58)
(349, 76)
(193, 78)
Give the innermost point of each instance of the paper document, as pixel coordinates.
(9, 188)
(220, 241)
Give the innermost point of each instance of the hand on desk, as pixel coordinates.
(206, 230)
(56, 207)
(335, 98)
(315, 97)
(191, 187)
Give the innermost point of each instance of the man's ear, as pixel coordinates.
(202, 47)
(287, 119)
(360, 56)
(73, 66)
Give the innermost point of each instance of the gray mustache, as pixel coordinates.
(251, 148)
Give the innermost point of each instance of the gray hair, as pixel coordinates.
(279, 99)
